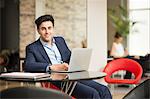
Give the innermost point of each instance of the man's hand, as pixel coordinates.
(58, 76)
(60, 67)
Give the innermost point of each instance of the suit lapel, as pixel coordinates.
(60, 47)
(43, 52)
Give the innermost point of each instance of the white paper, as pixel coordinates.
(24, 75)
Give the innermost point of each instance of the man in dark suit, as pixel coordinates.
(51, 53)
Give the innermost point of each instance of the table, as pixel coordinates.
(68, 79)
(84, 75)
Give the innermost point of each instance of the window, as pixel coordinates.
(139, 39)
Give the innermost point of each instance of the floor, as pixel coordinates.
(120, 92)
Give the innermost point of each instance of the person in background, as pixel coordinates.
(118, 50)
(4, 60)
(48, 52)
(11, 59)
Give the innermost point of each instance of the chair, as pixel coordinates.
(142, 91)
(51, 86)
(32, 93)
(126, 65)
(145, 61)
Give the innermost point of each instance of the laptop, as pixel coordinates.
(81, 75)
(79, 61)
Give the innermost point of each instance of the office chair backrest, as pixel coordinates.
(142, 91)
(32, 93)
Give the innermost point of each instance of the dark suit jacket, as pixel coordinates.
(37, 59)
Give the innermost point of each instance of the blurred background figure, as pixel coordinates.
(9, 60)
(4, 60)
(118, 50)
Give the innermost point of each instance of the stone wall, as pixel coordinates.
(27, 28)
(70, 21)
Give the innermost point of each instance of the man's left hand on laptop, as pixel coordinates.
(59, 67)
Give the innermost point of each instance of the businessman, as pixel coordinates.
(48, 53)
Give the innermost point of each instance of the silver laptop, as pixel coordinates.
(80, 60)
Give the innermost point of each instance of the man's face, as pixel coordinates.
(46, 31)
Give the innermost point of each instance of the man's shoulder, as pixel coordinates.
(35, 43)
(57, 38)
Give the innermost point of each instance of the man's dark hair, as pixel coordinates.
(44, 18)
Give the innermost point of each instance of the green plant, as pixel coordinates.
(120, 20)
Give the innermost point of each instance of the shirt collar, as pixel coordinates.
(45, 43)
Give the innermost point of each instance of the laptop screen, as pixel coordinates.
(80, 59)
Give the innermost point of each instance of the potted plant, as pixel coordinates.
(120, 20)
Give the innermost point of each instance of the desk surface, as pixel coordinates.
(85, 75)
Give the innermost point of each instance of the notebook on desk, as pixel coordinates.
(79, 61)
(24, 75)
